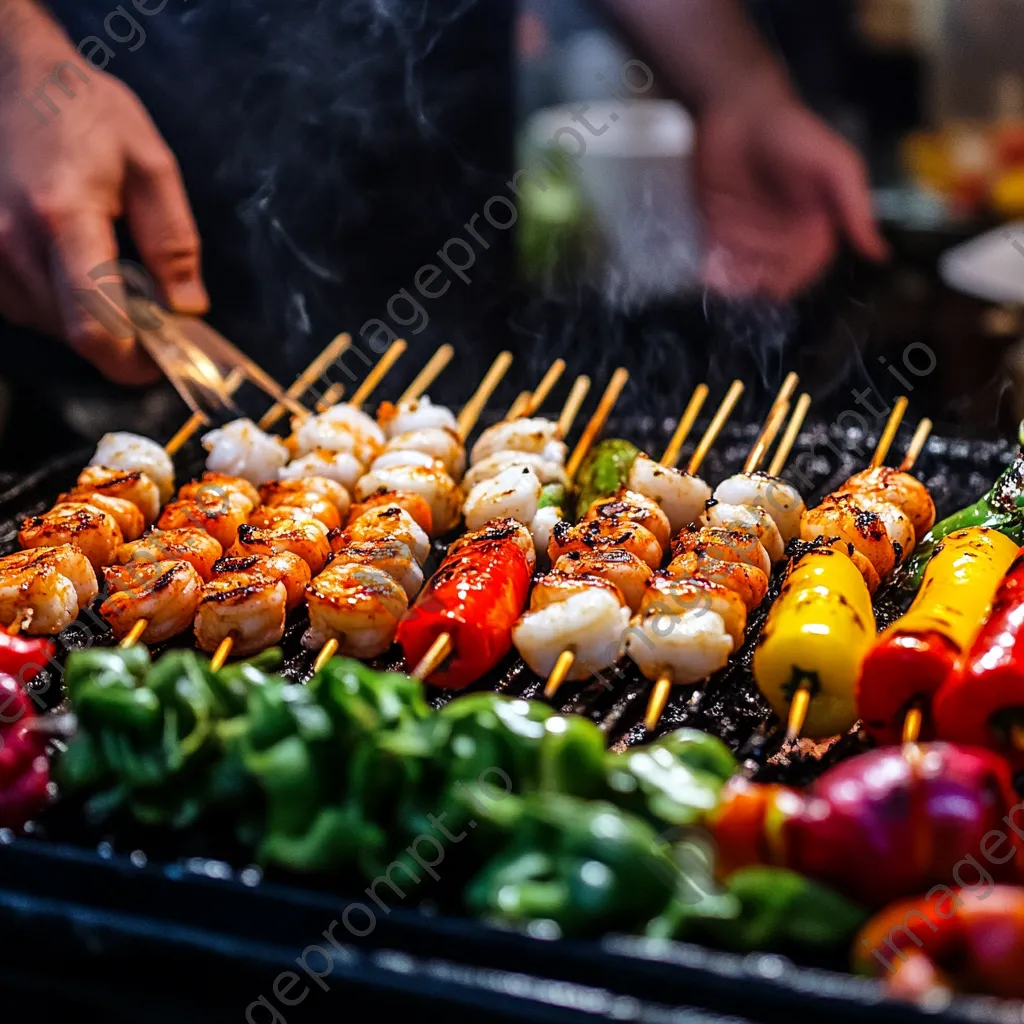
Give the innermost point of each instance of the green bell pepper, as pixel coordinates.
(604, 472)
(554, 496)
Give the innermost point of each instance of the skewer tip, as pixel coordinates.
(558, 673)
(434, 658)
(659, 698)
(222, 653)
(912, 725)
(134, 635)
(327, 652)
(798, 714)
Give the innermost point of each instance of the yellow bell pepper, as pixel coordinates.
(959, 584)
(817, 635)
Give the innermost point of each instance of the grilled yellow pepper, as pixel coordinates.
(816, 636)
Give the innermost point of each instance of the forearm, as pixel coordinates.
(704, 51)
(26, 27)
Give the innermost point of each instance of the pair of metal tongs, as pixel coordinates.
(202, 365)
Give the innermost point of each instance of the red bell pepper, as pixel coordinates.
(984, 698)
(23, 657)
(475, 597)
(24, 769)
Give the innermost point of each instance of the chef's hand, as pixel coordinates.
(778, 189)
(65, 177)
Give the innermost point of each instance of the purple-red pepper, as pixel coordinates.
(24, 768)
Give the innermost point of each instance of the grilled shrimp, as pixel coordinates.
(394, 557)
(357, 605)
(281, 566)
(342, 467)
(405, 457)
(218, 515)
(897, 523)
(185, 543)
(213, 486)
(681, 496)
(678, 597)
(902, 489)
(693, 646)
(67, 559)
(539, 436)
(384, 522)
(125, 513)
(248, 607)
(601, 535)
(727, 545)
(755, 521)
(417, 414)
(499, 529)
(135, 487)
(514, 494)
(342, 429)
(434, 486)
(297, 505)
(844, 519)
(744, 580)
(242, 449)
(306, 538)
(165, 594)
(136, 454)
(780, 500)
(37, 595)
(618, 566)
(631, 507)
(556, 586)
(547, 471)
(92, 530)
(439, 442)
(277, 492)
(589, 619)
(413, 504)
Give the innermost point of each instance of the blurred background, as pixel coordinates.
(408, 113)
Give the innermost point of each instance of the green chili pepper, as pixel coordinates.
(604, 472)
(105, 666)
(1002, 509)
(700, 752)
(554, 496)
(118, 707)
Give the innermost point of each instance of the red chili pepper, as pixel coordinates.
(978, 701)
(900, 670)
(23, 657)
(879, 826)
(475, 597)
(24, 769)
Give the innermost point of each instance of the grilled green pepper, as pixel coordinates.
(604, 472)
(1002, 509)
(554, 496)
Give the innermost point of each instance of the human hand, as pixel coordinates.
(64, 180)
(777, 190)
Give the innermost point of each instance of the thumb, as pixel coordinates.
(162, 226)
(846, 183)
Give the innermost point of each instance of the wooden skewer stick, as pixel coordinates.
(327, 652)
(379, 371)
(18, 624)
(662, 690)
(767, 437)
(235, 379)
(435, 657)
(919, 440)
(573, 404)
(134, 635)
(798, 709)
(330, 397)
(475, 406)
(596, 423)
(796, 421)
(685, 425)
(519, 406)
(912, 724)
(222, 653)
(545, 387)
(437, 362)
(732, 396)
(307, 378)
(889, 434)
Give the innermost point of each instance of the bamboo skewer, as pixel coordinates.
(789, 437)
(437, 362)
(597, 421)
(307, 378)
(802, 698)
(379, 371)
(662, 690)
(472, 410)
(330, 397)
(685, 425)
(545, 387)
(441, 648)
(518, 408)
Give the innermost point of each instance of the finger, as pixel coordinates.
(93, 318)
(850, 196)
(162, 225)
